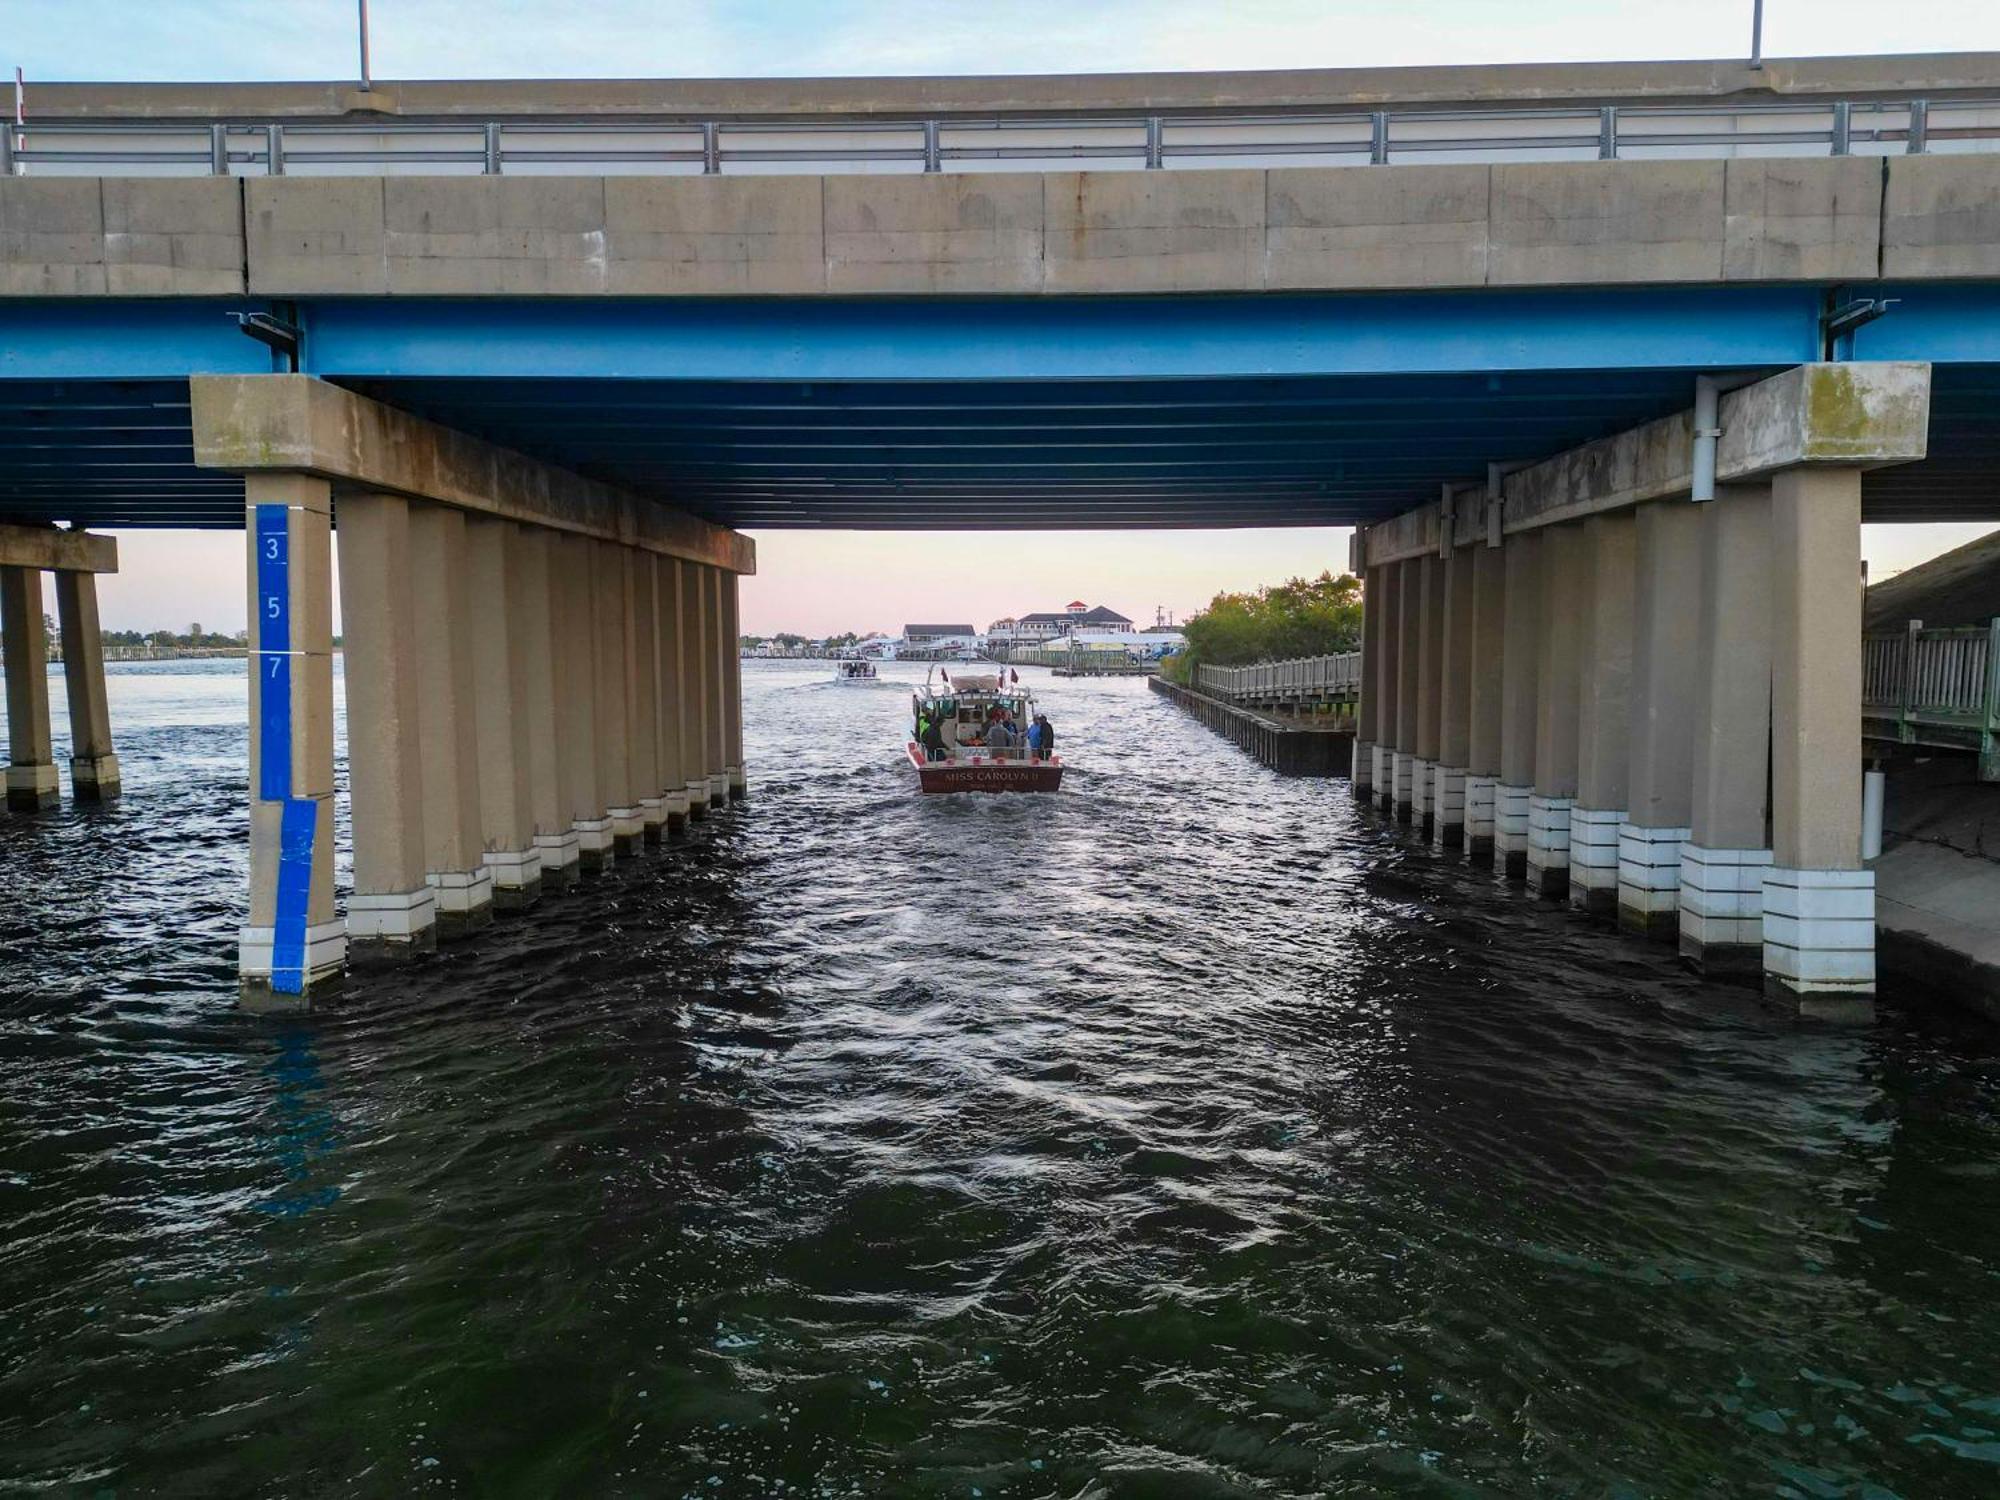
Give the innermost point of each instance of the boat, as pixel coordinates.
(854, 671)
(963, 707)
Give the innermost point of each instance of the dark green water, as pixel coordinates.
(1184, 1135)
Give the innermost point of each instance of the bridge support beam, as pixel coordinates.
(500, 692)
(1409, 684)
(1388, 678)
(732, 683)
(1604, 706)
(1819, 899)
(1455, 626)
(393, 909)
(673, 726)
(1661, 775)
(31, 758)
(1728, 846)
(1486, 674)
(1520, 702)
(699, 671)
(75, 558)
(1367, 708)
(611, 605)
(1430, 694)
(1559, 682)
(533, 644)
(506, 667)
(93, 766)
(642, 657)
(294, 944)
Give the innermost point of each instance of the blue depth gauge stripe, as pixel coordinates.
(299, 822)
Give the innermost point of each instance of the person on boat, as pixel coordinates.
(1000, 737)
(1034, 738)
(931, 737)
(1048, 735)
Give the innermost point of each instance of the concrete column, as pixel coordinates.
(500, 691)
(1485, 673)
(1520, 701)
(732, 682)
(93, 768)
(642, 658)
(1409, 682)
(293, 945)
(392, 909)
(1819, 900)
(31, 759)
(674, 758)
(1728, 848)
(1367, 710)
(1610, 544)
(1386, 618)
(1454, 701)
(697, 669)
(611, 610)
(447, 719)
(1430, 690)
(573, 627)
(1665, 641)
(1556, 710)
(532, 641)
(720, 650)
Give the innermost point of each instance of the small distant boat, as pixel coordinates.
(964, 708)
(854, 671)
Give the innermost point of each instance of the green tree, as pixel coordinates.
(1300, 617)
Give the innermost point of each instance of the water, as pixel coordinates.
(1182, 1135)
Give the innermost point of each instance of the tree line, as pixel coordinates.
(1299, 617)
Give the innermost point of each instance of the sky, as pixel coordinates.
(816, 582)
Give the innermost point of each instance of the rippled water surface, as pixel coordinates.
(1186, 1134)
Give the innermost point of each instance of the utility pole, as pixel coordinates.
(368, 83)
(1756, 31)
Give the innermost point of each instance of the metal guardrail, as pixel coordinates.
(1939, 688)
(1304, 679)
(957, 143)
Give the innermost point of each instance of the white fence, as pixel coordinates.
(1305, 679)
(57, 147)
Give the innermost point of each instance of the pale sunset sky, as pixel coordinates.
(817, 582)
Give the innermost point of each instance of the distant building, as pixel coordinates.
(1046, 625)
(924, 635)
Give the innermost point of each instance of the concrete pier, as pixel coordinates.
(293, 943)
(31, 758)
(1660, 782)
(93, 765)
(1665, 693)
(75, 558)
(1485, 712)
(1557, 708)
(1728, 846)
(510, 677)
(1604, 710)
(1448, 814)
(393, 908)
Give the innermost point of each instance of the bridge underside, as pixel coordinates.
(987, 413)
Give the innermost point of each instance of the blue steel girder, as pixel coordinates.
(1044, 412)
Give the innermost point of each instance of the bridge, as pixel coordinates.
(539, 364)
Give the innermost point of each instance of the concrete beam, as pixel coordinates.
(1865, 416)
(1930, 75)
(298, 424)
(1426, 226)
(49, 550)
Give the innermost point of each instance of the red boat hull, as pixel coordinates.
(981, 775)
